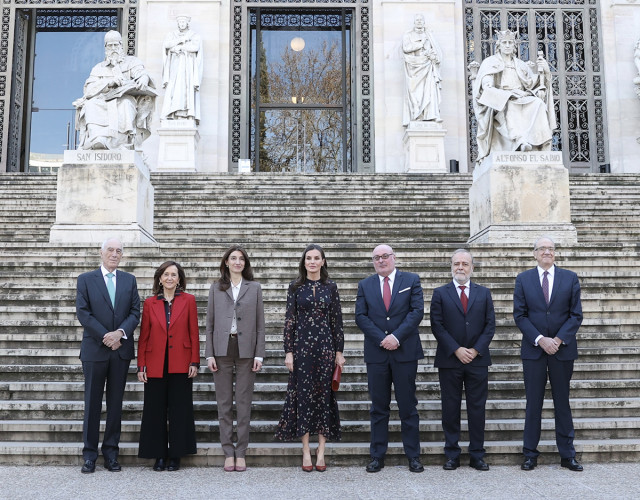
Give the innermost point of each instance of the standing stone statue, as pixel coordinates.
(116, 109)
(182, 72)
(513, 101)
(422, 57)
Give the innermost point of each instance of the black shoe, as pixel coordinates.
(375, 465)
(160, 465)
(529, 464)
(174, 464)
(88, 467)
(479, 464)
(451, 464)
(415, 465)
(112, 465)
(571, 464)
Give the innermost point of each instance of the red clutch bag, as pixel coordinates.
(335, 381)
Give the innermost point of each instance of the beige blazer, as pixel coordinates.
(249, 318)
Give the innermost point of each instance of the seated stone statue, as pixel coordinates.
(116, 108)
(513, 104)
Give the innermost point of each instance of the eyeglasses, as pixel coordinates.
(384, 256)
(544, 249)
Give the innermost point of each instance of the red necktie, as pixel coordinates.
(545, 287)
(463, 298)
(386, 293)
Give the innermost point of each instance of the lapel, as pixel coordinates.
(538, 286)
(158, 311)
(473, 293)
(179, 306)
(557, 278)
(376, 293)
(453, 295)
(396, 287)
(243, 289)
(102, 287)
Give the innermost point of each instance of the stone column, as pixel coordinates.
(424, 147)
(517, 197)
(103, 194)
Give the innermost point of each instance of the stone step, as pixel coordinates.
(70, 431)
(336, 454)
(270, 410)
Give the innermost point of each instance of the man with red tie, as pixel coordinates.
(548, 312)
(389, 308)
(463, 322)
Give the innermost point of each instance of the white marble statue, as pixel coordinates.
(182, 72)
(116, 108)
(422, 56)
(513, 101)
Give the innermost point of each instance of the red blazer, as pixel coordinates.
(184, 337)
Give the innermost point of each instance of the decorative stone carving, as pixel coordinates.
(117, 106)
(422, 56)
(182, 72)
(512, 101)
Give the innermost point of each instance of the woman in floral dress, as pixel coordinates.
(313, 343)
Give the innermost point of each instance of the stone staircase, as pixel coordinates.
(198, 216)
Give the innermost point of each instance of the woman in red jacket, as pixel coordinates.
(168, 360)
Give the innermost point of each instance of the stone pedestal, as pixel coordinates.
(517, 197)
(178, 146)
(103, 194)
(424, 148)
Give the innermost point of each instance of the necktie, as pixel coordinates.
(111, 288)
(463, 298)
(386, 293)
(545, 287)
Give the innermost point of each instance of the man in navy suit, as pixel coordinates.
(548, 312)
(108, 307)
(389, 308)
(463, 322)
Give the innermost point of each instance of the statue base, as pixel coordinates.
(517, 197)
(178, 146)
(102, 194)
(424, 148)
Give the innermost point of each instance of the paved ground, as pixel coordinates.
(598, 481)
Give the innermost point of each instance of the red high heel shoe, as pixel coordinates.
(306, 468)
(320, 468)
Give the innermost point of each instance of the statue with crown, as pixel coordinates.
(513, 101)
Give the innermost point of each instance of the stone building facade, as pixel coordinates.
(335, 105)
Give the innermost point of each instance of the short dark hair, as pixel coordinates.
(182, 283)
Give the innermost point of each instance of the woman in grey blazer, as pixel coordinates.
(235, 338)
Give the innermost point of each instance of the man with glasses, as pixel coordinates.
(548, 312)
(389, 308)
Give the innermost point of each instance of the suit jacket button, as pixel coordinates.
(170, 347)
(238, 319)
(386, 332)
(388, 318)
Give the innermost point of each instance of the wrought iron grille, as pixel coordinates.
(568, 34)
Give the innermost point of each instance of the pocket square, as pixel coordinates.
(408, 288)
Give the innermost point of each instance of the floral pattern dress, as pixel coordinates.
(313, 332)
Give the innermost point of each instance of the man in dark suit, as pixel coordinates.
(108, 307)
(463, 322)
(389, 308)
(548, 312)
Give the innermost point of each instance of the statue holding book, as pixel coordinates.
(116, 109)
(513, 101)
